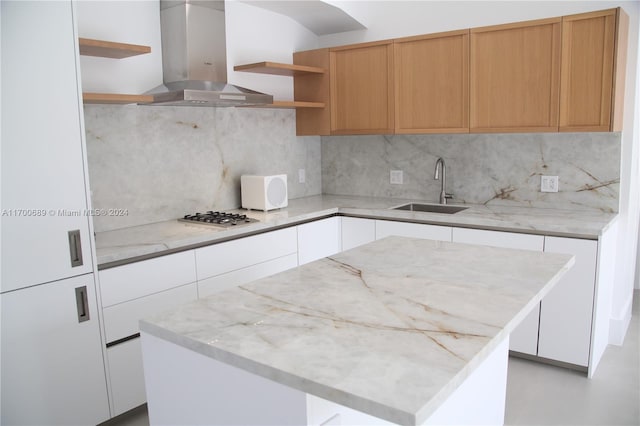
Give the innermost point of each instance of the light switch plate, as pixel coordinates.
(395, 177)
(549, 184)
(301, 176)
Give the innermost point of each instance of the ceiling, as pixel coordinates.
(319, 17)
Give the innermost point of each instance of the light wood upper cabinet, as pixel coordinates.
(515, 76)
(362, 88)
(549, 75)
(588, 71)
(432, 83)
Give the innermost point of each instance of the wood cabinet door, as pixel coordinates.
(362, 88)
(588, 42)
(514, 77)
(432, 83)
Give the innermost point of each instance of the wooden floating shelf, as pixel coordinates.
(289, 105)
(297, 104)
(114, 98)
(109, 49)
(275, 68)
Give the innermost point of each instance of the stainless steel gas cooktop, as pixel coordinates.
(221, 219)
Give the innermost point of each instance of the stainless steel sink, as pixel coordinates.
(430, 208)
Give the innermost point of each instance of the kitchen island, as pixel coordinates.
(401, 330)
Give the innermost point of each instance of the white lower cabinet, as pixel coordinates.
(225, 265)
(132, 292)
(52, 367)
(127, 376)
(524, 338)
(385, 228)
(566, 312)
(357, 231)
(319, 239)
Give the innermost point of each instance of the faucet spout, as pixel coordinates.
(440, 165)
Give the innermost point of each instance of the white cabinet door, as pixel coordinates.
(130, 293)
(127, 376)
(385, 228)
(319, 239)
(357, 231)
(524, 338)
(52, 365)
(43, 179)
(566, 312)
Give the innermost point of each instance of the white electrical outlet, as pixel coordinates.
(301, 176)
(549, 184)
(395, 177)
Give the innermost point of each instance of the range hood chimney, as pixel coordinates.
(194, 58)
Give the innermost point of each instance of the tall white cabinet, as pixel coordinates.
(43, 185)
(52, 367)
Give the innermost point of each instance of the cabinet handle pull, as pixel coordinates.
(82, 304)
(75, 248)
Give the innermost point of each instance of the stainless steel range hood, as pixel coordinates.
(194, 58)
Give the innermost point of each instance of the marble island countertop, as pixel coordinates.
(135, 243)
(391, 328)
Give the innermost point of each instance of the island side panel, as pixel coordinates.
(184, 387)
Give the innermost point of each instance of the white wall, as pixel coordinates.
(256, 35)
(253, 35)
(391, 19)
(134, 22)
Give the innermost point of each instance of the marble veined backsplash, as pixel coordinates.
(488, 169)
(160, 163)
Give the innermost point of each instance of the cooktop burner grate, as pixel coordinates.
(218, 219)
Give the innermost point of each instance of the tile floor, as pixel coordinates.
(539, 394)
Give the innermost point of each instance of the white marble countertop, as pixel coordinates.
(119, 246)
(390, 328)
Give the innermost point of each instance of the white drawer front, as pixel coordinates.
(385, 228)
(237, 254)
(121, 320)
(139, 279)
(498, 239)
(127, 376)
(221, 282)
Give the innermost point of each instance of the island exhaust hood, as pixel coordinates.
(194, 58)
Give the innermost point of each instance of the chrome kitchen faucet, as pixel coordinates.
(443, 195)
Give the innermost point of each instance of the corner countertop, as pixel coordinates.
(390, 328)
(145, 241)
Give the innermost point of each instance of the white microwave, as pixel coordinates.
(264, 192)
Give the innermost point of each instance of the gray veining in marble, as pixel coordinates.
(125, 245)
(391, 328)
(491, 169)
(161, 163)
